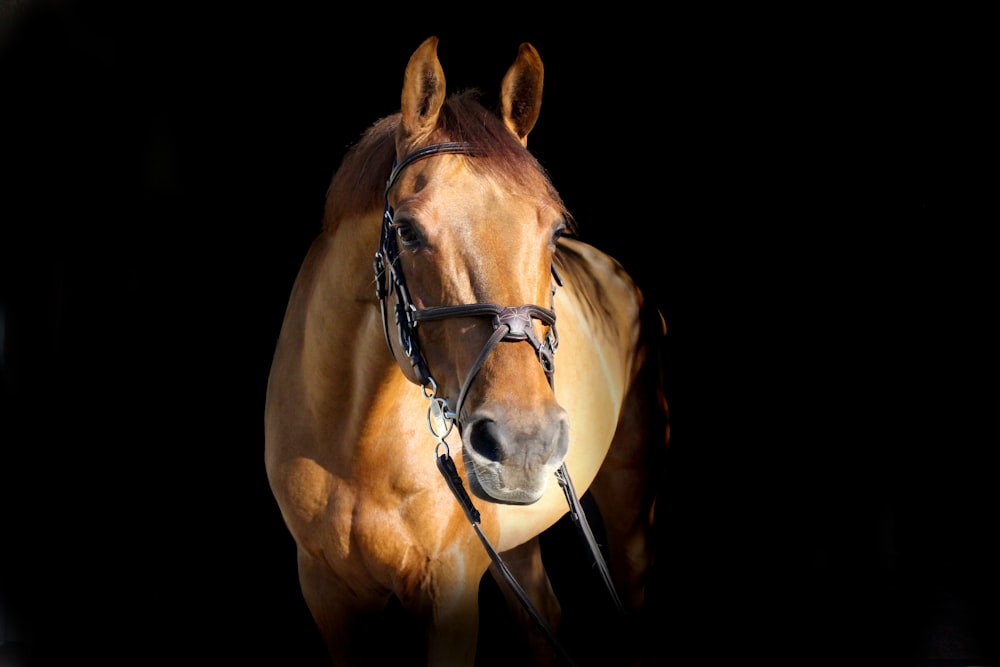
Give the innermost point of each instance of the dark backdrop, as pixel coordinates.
(791, 190)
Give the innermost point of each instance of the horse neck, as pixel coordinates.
(341, 316)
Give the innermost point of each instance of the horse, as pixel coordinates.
(444, 248)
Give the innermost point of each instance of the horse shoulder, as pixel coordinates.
(348, 451)
(599, 319)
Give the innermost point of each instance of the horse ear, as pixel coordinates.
(521, 92)
(423, 95)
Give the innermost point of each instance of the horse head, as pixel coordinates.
(470, 233)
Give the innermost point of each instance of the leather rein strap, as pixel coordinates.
(510, 324)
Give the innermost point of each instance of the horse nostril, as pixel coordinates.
(485, 439)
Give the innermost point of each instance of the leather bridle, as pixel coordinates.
(510, 323)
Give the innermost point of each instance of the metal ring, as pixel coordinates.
(430, 381)
(437, 411)
(437, 449)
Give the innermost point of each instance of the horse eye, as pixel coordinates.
(408, 235)
(558, 233)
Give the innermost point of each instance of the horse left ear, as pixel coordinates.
(521, 92)
(423, 95)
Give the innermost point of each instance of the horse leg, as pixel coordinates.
(625, 493)
(348, 619)
(525, 564)
(621, 497)
(362, 625)
(446, 603)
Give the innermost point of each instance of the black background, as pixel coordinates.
(793, 190)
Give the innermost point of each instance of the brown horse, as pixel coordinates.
(374, 370)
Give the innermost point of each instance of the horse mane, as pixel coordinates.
(358, 186)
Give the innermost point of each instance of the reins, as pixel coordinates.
(510, 324)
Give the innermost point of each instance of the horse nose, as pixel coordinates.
(534, 443)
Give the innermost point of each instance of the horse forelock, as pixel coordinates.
(358, 186)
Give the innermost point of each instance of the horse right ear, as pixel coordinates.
(423, 95)
(521, 92)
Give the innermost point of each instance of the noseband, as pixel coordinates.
(510, 323)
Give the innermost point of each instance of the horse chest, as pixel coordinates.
(388, 532)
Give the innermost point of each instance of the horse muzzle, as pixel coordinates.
(510, 458)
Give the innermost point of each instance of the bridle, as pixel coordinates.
(510, 324)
